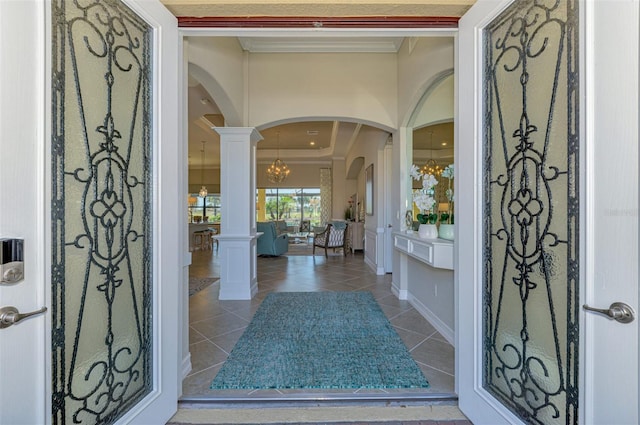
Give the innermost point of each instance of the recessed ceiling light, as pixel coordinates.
(444, 143)
(312, 143)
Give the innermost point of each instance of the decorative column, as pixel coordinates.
(237, 238)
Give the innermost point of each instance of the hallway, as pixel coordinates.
(215, 326)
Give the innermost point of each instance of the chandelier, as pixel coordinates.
(203, 190)
(431, 167)
(278, 170)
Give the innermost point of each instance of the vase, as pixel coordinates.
(428, 231)
(446, 231)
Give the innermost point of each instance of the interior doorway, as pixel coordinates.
(403, 307)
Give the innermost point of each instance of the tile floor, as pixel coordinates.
(215, 325)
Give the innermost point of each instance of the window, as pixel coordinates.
(205, 209)
(292, 205)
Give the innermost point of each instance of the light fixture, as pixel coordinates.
(278, 170)
(431, 167)
(203, 190)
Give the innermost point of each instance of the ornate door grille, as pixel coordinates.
(531, 210)
(101, 211)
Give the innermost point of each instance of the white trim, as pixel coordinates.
(186, 365)
(433, 318)
(321, 45)
(161, 403)
(402, 294)
(587, 247)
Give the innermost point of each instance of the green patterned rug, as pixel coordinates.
(319, 340)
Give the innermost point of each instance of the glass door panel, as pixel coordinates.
(101, 211)
(531, 210)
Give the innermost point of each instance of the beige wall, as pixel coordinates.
(420, 62)
(382, 90)
(302, 175)
(211, 180)
(359, 86)
(218, 63)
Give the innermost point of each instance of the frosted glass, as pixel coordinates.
(531, 210)
(101, 211)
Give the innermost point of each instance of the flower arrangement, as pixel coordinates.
(447, 217)
(424, 198)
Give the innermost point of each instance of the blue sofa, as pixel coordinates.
(270, 242)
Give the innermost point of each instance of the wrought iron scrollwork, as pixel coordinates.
(531, 210)
(101, 210)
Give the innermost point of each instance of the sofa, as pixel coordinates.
(281, 226)
(271, 243)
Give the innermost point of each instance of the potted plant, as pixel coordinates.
(425, 201)
(446, 230)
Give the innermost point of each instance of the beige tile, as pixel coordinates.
(223, 322)
(436, 354)
(439, 382)
(412, 320)
(410, 339)
(220, 325)
(205, 354)
(198, 383)
(195, 336)
(228, 340)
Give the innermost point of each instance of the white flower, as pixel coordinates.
(424, 198)
(448, 171)
(423, 201)
(428, 181)
(449, 194)
(415, 172)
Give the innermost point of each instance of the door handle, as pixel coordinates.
(619, 312)
(10, 315)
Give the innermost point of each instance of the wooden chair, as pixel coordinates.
(305, 226)
(331, 237)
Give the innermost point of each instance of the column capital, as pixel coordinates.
(241, 133)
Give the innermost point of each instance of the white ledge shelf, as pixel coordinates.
(437, 253)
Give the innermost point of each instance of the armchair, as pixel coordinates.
(305, 226)
(334, 236)
(270, 242)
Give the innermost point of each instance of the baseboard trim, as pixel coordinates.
(186, 365)
(400, 293)
(435, 321)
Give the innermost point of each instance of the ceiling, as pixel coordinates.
(312, 140)
(317, 141)
(317, 8)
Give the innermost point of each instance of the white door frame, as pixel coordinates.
(473, 399)
(168, 199)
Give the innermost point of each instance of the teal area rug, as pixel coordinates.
(319, 340)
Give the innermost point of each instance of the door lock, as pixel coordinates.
(11, 260)
(10, 315)
(619, 312)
